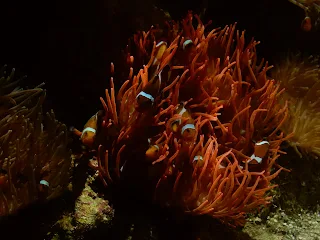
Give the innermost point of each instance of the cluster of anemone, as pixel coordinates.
(34, 157)
(300, 77)
(197, 108)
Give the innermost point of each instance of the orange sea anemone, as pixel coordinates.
(300, 77)
(206, 110)
(34, 158)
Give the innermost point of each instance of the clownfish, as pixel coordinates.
(170, 169)
(198, 159)
(43, 185)
(153, 152)
(183, 112)
(260, 151)
(189, 51)
(153, 70)
(161, 48)
(188, 130)
(88, 134)
(311, 9)
(187, 44)
(3, 180)
(306, 24)
(145, 99)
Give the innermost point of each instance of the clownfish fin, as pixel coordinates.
(75, 131)
(254, 159)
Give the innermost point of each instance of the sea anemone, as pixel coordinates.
(34, 158)
(200, 112)
(300, 77)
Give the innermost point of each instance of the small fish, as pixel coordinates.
(183, 112)
(153, 70)
(189, 51)
(169, 171)
(187, 44)
(312, 14)
(88, 134)
(188, 130)
(198, 159)
(306, 24)
(161, 47)
(153, 152)
(3, 180)
(43, 185)
(145, 99)
(260, 151)
(123, 166)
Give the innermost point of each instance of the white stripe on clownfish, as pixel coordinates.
(182, 111)
(156, 146)
(187, 126)
(262, 143)
(254, 157)
(186, 43)
(88, 129)
(44, 182)
(160, 43)
(121, 169)
(146, 95)
(157, 58)
(196, 158)
(257, 152)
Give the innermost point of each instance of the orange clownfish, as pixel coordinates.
(43, 185)
(153, 152)
(306, 24)
(169, 171)
(260, 151)
(188, 130)
(88, 134)
(161, 48)
(198, 159)
(145, 98)
(3, 180)
(183, 112)
(189, 51)
(153, 70)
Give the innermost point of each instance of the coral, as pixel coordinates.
(34, 158)
(90, 214)
(300, 77)
(196, 113)
(279, 225)
(90, 209)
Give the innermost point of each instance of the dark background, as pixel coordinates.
(69, 44)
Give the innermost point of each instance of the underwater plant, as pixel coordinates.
(198, 109)
(34, 157)
(300, 77)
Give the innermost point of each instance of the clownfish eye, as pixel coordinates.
(157, 150)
